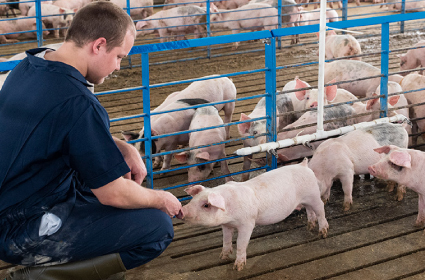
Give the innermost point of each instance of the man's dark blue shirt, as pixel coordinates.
(54, 138)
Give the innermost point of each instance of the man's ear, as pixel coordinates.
(98, 44)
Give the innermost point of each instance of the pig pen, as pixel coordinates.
(375, 239)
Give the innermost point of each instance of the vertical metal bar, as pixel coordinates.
(385, 46)
(403, 11)
(39, 23)
(344, 9)
(279, 17)
(209, 25)
(147, 119)
(321, 76)
(128, 7)
(129, 12)
(270, 63)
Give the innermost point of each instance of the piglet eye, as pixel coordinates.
(206, 205)
(395, 166)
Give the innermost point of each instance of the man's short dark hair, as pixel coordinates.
(100, 19)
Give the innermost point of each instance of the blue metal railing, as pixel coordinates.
(269, 70)
(209, 32)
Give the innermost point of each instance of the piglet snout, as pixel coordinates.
(372, 170)
(180, 215)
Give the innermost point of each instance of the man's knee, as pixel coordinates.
(147, 249)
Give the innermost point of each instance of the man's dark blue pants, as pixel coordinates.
(91, 230)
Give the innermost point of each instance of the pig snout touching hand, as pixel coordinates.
(266, 199)
(353, 153)
(404, 166)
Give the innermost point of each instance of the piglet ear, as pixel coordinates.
(141, 24)
(181, 157)
(401, 159)
(330, 91)
(383, 150)
(304, 162)
(370, 103)
(282, 158)
(204, 156)
(244, 127)
(331, 32)
(194, 190)
(300, 84)
(217, 200)
(393, 99)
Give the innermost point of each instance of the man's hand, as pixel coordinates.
(134, 161)
(171, 205)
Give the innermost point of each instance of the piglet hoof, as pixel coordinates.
(347, 206)
(224, 255)
(420, 223)
(401, 190)
(390, 186)
(323, 232)
(239, 265)
(311, 225)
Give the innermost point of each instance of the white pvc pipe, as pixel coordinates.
(267, 147)
(321, 82)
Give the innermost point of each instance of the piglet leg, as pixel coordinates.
(227, 242)
(244, 234)
(420, 221)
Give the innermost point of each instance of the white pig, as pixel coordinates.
(410, 6)
(139, 8)
(213, 90)
(230, 4)
(168, 3)
(342, 95)
(286, 102)
(266, 199)
(71, 4)
(352, 70)
(414, 85)
(25, 6)
(395, 101)
(405, 166)
(307, 98)
(255, 16)
(179, 21)
(413, 58)
(290, 14)
(341, 45)
(351, 154)
(205, 117)
(54, 16)
(313, 17)
(18, 25)
(283, 105)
